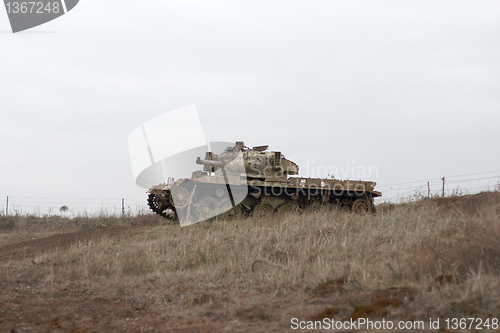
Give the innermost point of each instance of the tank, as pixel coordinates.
(243, 181)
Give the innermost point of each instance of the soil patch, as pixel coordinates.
(22, 250)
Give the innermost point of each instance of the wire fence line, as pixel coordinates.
(444, 186)
(400, 192)
(72, 207)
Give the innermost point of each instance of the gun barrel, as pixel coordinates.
(217, 164)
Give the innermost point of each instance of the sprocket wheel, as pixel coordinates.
(156, 206)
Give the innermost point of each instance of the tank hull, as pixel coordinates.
(264, 197)
(244, 181)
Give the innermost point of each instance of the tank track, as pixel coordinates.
(160, 205)
(162, 202)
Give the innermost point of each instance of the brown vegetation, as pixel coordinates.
(427, 259)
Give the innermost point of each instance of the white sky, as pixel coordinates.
(411, 88)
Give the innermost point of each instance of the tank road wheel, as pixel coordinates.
(287, 209)
(228, 212)
(219, 192)
(262, 210)
(361, 206)
(328, 206)
(313, 206)
(206, 208)
(180, 197)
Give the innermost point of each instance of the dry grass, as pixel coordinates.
(444, 258)
(18, 228)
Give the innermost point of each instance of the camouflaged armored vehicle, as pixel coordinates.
(244, 181)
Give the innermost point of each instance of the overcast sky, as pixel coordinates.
(411, 88)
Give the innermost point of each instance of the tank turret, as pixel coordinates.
(257, 162)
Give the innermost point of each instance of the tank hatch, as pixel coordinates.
(260, 148)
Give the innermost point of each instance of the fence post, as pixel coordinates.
(123, 207)
(443, 186)
(428, 190)
(7, 207)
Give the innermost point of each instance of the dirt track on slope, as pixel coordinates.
(22, 250)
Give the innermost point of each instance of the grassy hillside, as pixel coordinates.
(421, 260)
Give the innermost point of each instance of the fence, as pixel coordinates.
(444, 186)
(72, 207)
